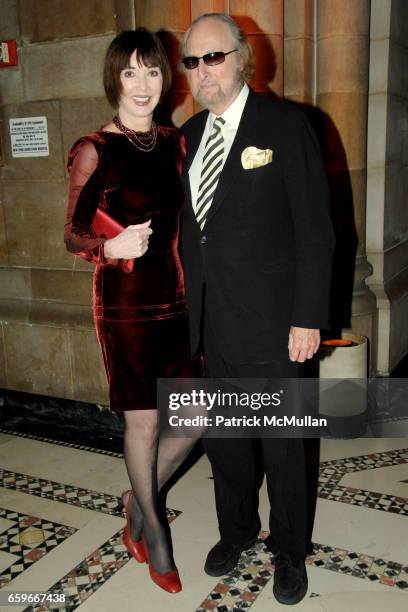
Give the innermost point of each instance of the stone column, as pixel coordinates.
(299, 51)
(387, 181)
(342, 94)
(263, 24)
(170, 18)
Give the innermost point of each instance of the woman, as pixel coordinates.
(130, 169)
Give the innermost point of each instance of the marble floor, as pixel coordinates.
(61, 523)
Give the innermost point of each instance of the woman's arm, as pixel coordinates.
(85, 189)
(87, 182)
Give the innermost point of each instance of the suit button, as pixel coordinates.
(203, 239)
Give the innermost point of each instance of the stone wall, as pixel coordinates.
(47, 342)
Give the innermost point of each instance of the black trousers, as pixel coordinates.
(237, 472)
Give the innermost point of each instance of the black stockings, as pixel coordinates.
(150, 464)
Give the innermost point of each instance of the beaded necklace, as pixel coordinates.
(144, 141)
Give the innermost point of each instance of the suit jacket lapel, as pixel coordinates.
(194, 140)
(232, 166)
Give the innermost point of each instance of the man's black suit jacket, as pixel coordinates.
(264, 255)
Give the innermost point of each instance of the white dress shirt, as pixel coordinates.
(232, 117)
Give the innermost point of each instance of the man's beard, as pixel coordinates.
(219, 97)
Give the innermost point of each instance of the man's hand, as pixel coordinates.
(303, 343)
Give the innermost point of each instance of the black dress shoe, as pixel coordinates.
(289, 579)
(224, 556)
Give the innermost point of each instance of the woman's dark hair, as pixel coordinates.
(149, 51)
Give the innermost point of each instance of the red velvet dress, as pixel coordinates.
(140, 317)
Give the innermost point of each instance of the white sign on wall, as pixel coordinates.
(29, 137)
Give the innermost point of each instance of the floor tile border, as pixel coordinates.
(68, 494)
(90, 449)
(65, 493)
(240, 589)
(331, 473)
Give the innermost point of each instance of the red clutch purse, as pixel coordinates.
(105, 226)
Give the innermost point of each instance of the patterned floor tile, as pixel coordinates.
(241, 587)
(68, 494)
(331, 473)
(89, 575)
(57, 491)
(28, 539)
(93, 571)
(91, 449)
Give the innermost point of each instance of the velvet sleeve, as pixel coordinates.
(86, 187)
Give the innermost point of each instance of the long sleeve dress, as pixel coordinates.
(140, 317)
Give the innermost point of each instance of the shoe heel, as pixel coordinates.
(135, 547)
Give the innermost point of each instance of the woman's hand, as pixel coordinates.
(132, 242)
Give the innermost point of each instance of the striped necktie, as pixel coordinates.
(211, 170)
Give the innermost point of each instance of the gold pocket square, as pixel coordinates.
(252, 157)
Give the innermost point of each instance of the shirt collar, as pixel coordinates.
(233, 113)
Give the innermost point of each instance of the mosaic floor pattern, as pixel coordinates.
(30, 538)
(241, 587)
(26, 531)
(89, 575)
(331, 473)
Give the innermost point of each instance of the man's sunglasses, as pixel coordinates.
(210, 59)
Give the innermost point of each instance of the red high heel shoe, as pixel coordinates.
(170, 581)
(135, 548)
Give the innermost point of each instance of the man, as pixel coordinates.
(257, 245)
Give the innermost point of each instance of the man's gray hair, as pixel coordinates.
(239, 38)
